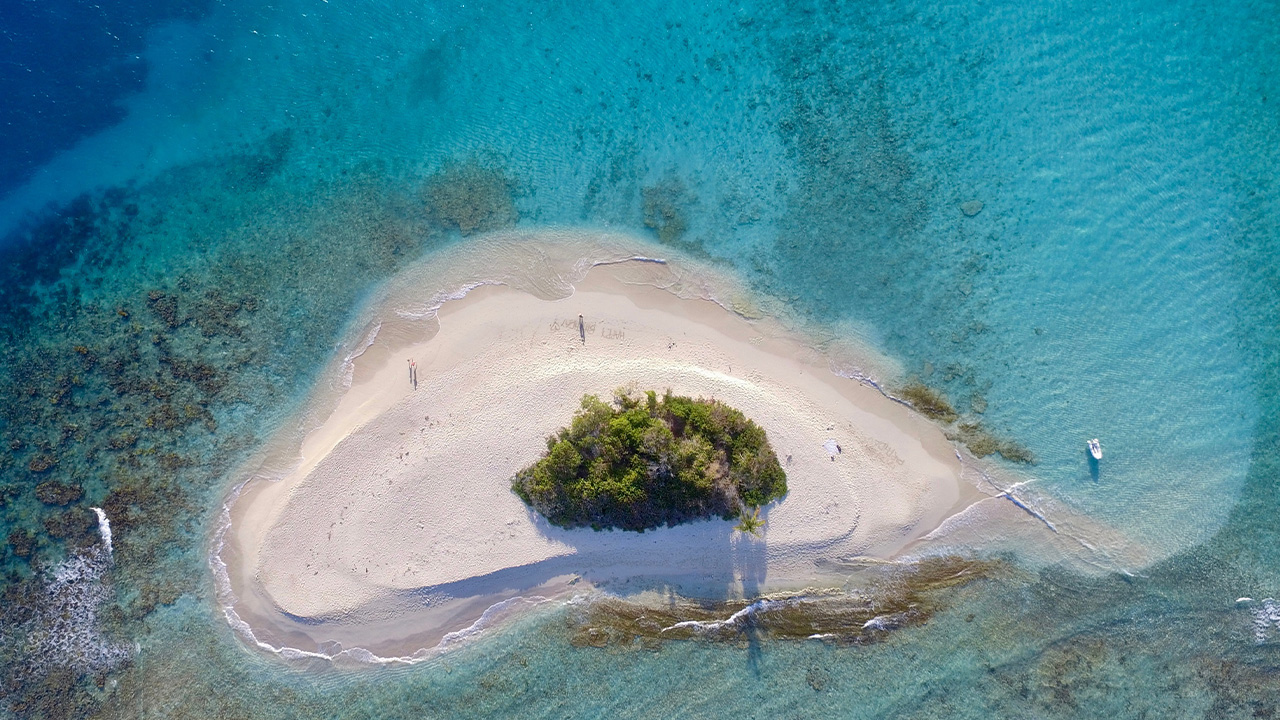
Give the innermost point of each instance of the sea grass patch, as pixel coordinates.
(970, 432)
(929, 402)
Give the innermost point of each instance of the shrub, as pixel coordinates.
(646, 462)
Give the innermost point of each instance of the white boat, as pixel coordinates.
(1095, 449)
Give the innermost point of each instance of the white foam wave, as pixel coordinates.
(226, 598)
(879, 622)
(451, 641)
(633, 258)
(64, 630)
(221, 576)
(1265, 617)
(851, 372)
(428, 309)
(1104, 556)
(1007, 492)
(104, 528)
(735, 620)
(349, 361)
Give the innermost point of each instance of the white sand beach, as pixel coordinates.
(397, 525)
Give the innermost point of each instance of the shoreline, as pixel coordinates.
(415, 482)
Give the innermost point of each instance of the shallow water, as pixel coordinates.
(1117, 280)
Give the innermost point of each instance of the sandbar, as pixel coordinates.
(394, 523)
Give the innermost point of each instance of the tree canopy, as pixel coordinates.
(648, 461)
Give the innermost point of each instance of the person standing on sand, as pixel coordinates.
(413, 373)
(582, 330)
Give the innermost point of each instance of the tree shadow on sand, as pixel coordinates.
(707, 561)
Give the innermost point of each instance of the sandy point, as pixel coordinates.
(390, 522)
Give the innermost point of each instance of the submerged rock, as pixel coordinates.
(887, 599)
(470, 198)
(928, 401)
(165, 307)
(77, 526)
(666, 209)
(22, 543)
(981, 442)
(971, 208)
(817, 678)
(53, 492)
(41, 463)
(7, 494)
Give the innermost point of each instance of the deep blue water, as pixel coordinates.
(1065, 215)
(68, 67)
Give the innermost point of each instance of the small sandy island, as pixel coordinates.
(391, 522)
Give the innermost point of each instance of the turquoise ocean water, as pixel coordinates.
(1064, 215)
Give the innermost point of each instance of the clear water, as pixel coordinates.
(1120, 280)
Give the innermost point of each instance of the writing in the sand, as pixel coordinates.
(587, 328)
(612, 334)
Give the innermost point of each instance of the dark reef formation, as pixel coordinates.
(470, 198)
(894, 597)
(148, 335)
(666, 209)
(970, 432)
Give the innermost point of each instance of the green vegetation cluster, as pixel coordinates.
(646, 462)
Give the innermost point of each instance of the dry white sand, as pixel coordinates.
(398, 525)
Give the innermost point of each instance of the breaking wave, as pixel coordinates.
(62, 628)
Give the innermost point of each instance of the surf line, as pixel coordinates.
(1033, 513)
(1008, 495)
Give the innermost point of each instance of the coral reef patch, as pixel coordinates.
(470, 198)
